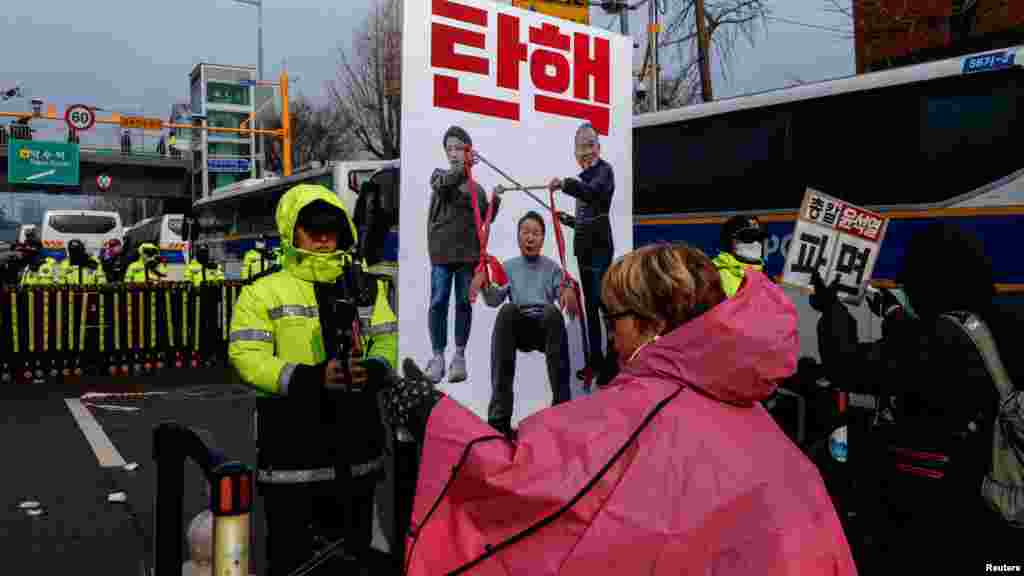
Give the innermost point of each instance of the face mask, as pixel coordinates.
(319, 266)
(749, 251)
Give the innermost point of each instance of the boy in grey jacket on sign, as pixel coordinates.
(454, 253)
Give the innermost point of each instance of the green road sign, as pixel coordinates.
(42, 163)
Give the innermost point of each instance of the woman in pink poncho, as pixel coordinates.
(674, 468)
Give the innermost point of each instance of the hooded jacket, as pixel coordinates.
(732, 271)
(275, 327)
(710, 486)
(137, 272)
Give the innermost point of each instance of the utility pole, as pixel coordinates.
(654, 27)
(703, 51)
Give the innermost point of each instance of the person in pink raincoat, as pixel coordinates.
(674, 468)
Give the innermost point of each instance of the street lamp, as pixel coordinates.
(259, 38)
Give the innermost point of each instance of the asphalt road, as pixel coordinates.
(48, 459)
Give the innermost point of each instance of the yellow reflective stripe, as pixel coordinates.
(130, 297)
(170, 319)
(292, 310)
(31, 321)
(199, 302)
(252, 336)
(14, 320)
(117, 321)
(46, 320)
(383, 328)
(103, 322)
(151, 297)
(82, 317)
(60, 319)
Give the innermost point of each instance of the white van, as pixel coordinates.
(165, 232)
(92, 227)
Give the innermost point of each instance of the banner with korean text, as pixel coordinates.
(838, 239)
(533, 102)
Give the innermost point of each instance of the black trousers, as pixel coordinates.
(516, 331)
(302, 518)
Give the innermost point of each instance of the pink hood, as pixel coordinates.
(709, 485)
(737, 352)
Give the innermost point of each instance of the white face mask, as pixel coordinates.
(749, 251)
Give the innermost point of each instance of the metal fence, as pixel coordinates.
(49, 332)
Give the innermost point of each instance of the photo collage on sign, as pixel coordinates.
(531, 98)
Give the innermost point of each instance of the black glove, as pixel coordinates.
(882, 302)
(408, 403)
(567, 220)
(824, 296)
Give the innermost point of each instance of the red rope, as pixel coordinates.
(483, 229)
(568, 280)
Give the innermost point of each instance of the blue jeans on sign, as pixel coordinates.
(442, 276)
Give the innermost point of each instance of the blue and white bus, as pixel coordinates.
(234, 217)
(934, 141)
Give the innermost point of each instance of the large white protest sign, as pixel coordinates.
(518, 85)
(839, 240)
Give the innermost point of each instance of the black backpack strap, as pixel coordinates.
(981, 336)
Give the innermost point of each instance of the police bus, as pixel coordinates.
(92, 227)
(923, 143)
(234, 217)
(167, 233)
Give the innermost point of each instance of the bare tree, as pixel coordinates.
(880, 16)
(364, 91)
(727, 22)
(319, 133)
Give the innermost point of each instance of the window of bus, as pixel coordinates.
(732, 161)
(969, 128)
(860, 147)
(82, 223)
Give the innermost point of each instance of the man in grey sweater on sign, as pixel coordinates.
(530, 321)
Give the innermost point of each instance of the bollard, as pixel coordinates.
(231, 490)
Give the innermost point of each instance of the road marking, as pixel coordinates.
(104, 449)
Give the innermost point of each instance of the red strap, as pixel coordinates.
(483, 229)
(560, 240)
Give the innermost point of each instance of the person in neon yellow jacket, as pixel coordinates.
(201, 270)
(79, 268)
(742, 249)
(321, 422)
(259, 259)
(46, 274)
(148, 267)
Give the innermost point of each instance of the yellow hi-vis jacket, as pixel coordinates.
(194, 273)
(276, 321)
(732, 271)
(45, 275)
(136, 271)
(253, 263)
(82, 275)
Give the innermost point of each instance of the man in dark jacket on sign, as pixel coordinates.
(593, 191)
(454, 252)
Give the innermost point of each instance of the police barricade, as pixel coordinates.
(60, 331)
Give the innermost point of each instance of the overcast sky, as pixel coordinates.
(136, 56)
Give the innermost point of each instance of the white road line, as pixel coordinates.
(104, 449)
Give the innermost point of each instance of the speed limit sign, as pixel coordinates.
(80, 117)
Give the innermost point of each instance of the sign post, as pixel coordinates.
(839, 240)
(42, 163)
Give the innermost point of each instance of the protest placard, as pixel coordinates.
(839, 240)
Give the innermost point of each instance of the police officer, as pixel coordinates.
(148, 267)
(40, 273)
(79, 268)
(319, 434)
(741, 249)
(259, 259)
(201, 269)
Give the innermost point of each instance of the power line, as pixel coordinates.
(813, 26)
